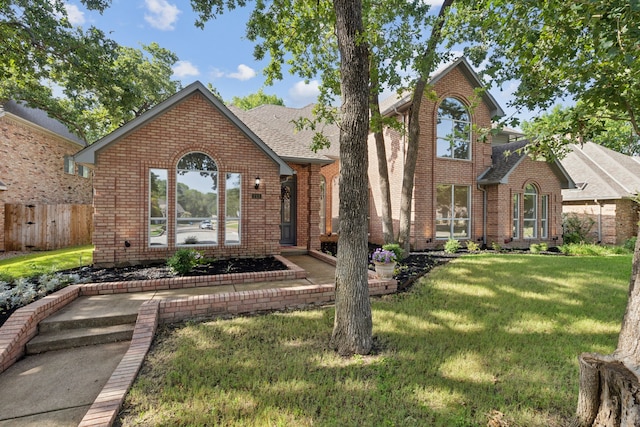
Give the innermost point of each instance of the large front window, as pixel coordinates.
(158, 207)
(453, 211)
(196, 200)
(454, 130)
(232, 202)
(530, 213)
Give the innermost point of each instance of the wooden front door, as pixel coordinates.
(288, 211)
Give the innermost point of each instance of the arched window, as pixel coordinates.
(196, 200)
(453, 138)
(530, 212)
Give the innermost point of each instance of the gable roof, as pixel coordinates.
(41, 119)
(601, 173)
(88, 155)
(400, 101)
(507, 157)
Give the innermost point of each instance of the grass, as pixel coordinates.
(485, 338)
(37, 263)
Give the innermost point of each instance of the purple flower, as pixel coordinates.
(383, 256)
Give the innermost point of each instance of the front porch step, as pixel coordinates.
(54, 324)
(79, 337)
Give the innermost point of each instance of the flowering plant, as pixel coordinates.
(383, 256)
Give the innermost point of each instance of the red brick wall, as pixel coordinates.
(430, 170)
(122, 181)
(614, 221)
(308, 205)
(330, 172)
(500, 206)
(32, 167)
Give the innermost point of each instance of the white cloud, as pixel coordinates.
(75, 15)
(216, 73)
(185, 69)
(162, 14)
(305, 93)
(244, 73)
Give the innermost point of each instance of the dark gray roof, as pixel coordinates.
(42, 119)
(274, 124)
(400, 101)
(601, 173)
(88, 155)
(507, 157)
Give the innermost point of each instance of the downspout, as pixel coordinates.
(484, 215)
(599, 220)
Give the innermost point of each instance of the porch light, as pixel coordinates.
(257, 182)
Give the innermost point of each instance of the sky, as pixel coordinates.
(220, 54)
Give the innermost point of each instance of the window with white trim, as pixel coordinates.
(196, 200)
(516, 216)
(544, 216)
(233, 208)
(453, 139)
(530, 212)
(158, 180)
(69, 165)
(453, 211)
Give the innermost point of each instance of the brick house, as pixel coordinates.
(606, 184)
(466, 188)
(37, 170)
(191, 173)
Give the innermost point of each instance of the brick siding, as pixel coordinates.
(32, 168)
(614, 221)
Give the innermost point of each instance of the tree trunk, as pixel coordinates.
(428, 64)
(352, 329)
(381, 151)
(609, 385)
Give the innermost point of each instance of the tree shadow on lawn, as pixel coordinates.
(457, 350)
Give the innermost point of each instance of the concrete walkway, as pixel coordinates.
(57, 388)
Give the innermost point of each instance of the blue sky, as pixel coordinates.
(220, 54)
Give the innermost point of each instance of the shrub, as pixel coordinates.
(191, 240)
(472, 246)
(576, 229)
(24, 290)
(396, 249)
(630, 244)
(536, 248)
(183, 261)
(452, 246)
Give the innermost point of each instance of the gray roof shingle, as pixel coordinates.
(601, 173)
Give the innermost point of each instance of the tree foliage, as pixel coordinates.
(580, 50)
(82, 78)
(255, 100)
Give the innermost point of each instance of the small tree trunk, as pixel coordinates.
(352, 328)
(381, 151)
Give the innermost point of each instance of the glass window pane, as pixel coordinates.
(443, 148)
(544, 228)
(158, 179)
(443, 202)
(232, 208)
(196, 201)
(443, 229)
(516, 216)
(454, 130)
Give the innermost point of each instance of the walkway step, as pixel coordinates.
(53, 324)
(79, 337)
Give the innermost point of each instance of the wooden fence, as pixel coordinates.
(46, 227)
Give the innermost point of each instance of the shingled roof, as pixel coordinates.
(41, 119)
(601, 173)
(274, 124)
(507, 157)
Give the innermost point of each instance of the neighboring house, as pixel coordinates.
(465, 188)
(189, 173)
(607, 182)
(36, 171)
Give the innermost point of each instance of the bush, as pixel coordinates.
(22, 291)
(183, 261)
(536, 248)
(452, 246)
(630, 244)
(396, 249)
(472, 246)
(496, 246)
(592, 249)
(576, 229)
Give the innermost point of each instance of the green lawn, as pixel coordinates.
(37, 263)
(485, 337)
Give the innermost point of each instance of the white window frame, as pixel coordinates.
(530, 191)
(229, 220)
(544, 216)
(516, 215)
(151, 229)
(452, 218)
(450, 138)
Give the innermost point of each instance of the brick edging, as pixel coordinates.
(22, 325)
(105, 408)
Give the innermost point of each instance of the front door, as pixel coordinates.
(288, 211)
